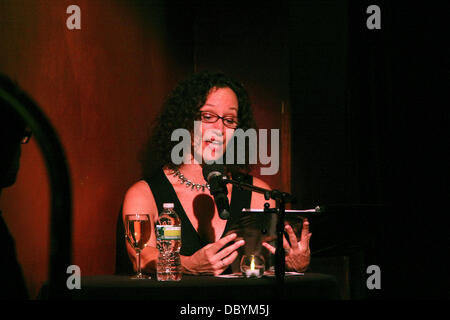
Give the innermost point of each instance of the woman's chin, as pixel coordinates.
(212, 154)
(207, 159)
(212, 159)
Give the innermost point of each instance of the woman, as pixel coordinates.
(219, 105)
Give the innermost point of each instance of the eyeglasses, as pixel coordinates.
(26, 137)
(229, 122)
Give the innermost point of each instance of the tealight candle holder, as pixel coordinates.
(252, 266)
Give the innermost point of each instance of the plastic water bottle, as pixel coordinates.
(168, 242)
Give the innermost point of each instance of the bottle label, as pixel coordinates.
(164, 232)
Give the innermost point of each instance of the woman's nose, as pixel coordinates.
(218, 125)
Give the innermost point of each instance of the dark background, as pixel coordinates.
(359, 111)
(369, 127)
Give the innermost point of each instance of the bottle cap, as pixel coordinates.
(168, 205)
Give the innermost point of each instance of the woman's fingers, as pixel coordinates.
(229, 260)
(226, 256)
(298, 256)
(219, 244)
(272, 249)
(269, 247)
(225, 252)
(223, 264)
(306, 235)
(292, 236)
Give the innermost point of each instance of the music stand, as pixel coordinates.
(281, 198)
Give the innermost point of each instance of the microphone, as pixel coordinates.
(213, 174)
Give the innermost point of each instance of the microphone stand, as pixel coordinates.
(281, 199)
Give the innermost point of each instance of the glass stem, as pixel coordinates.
(138, 254)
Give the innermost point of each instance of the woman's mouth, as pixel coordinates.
(213, 147)
(214, 141)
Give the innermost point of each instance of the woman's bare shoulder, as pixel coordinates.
(139, 188)
(139, 197)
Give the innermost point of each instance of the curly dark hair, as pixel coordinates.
(181, 108)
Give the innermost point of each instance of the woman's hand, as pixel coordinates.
(298, 255)
(211, 259)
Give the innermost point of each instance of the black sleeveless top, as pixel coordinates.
(191, 242)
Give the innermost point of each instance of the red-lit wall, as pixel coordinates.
(250, 43)
(101, 86)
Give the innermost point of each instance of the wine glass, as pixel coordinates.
(137, 232)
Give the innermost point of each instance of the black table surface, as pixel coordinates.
(314, 286)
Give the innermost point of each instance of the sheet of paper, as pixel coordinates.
(268, 274)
